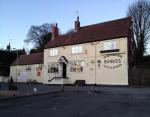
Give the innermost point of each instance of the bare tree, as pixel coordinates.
(140, 14)
(39, 35)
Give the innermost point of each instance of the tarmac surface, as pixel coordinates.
(25, 90)
(81, 102)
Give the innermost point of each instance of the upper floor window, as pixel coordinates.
(54, 52)
(110, 45)
(77, 49)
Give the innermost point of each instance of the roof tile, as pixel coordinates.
(97, 32)
(36, 58)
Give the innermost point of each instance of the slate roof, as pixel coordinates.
(97, 32)
(36, 58)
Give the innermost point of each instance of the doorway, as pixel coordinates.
(63, 63)
(64, 71)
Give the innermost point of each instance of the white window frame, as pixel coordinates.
(78, 49)
(53, 68)
(110, 45)
(54, 52)
(77, 66)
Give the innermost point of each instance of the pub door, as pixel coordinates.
(64, 70)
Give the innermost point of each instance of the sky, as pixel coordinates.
(17, 16)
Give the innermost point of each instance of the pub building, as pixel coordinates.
(96, 54)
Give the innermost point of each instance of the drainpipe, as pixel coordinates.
(95, 60)
(93, 88)
(16, 64)
(95, 66)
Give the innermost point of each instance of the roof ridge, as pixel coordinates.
(106, 22)
(29, 59)
(94, 25)
(97, 24)
(32, 54)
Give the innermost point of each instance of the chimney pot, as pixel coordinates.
(78, 18)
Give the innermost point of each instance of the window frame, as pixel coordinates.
(53, 52)
(53, 68)
(110, 45)
(77, 66)
(77, 49)
(28, 68)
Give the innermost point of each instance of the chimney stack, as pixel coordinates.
(54, 31)
(77, 25)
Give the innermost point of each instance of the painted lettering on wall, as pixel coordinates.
(112, 61)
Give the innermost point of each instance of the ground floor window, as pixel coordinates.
(39, 67)
(77, 66)
(28, 68)
(53, 68)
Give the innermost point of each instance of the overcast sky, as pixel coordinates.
(18, 15)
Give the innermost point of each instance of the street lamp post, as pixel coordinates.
(16, 64)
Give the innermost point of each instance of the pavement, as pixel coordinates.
(25, 90)
(82, 102)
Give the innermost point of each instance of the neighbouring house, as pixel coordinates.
(27, 67)
(97, 54)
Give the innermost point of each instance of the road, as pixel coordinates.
(79, 104)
